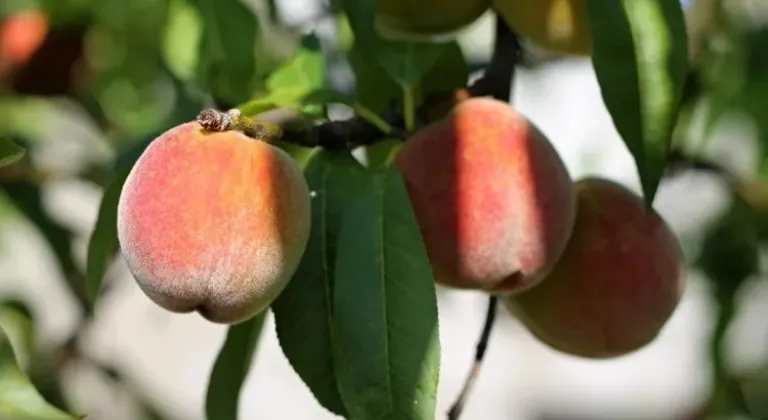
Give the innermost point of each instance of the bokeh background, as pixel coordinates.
(109, 76)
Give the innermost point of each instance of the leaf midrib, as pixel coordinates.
(383, 280)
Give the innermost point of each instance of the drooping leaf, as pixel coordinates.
(385, 321)
(228, 49)
(304, 310)
(19, 399)
(10, 152)
(231, 369)
(640, 57)
(103, 242)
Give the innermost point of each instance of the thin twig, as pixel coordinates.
(482, 345)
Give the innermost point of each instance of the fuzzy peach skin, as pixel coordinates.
(618, 282)
(491, 195)
(213, 222)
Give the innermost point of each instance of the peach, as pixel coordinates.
(491, 195)
(427, 19)
(618, 282)
(213, 222)
(559, 26)
(21, 34)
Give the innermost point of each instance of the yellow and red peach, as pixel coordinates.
(213, 222)
(618, 282)
(491, 195)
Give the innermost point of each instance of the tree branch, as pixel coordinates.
(357, 131)
(482, 345)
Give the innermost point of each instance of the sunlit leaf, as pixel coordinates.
(640, 57)
(289, 84)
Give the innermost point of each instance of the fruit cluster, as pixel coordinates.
(556, 25)
(217, 222)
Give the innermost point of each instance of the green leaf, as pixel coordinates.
(19, 399)
(103, 242)
(374, 87)
(231, 368)
(381, 153)
(10, 152)
(405, 62)
(18, 324)
(293, 81)
(385, 311)
(304, 310)
(181, 39)
(304, 73)
(730, 252)
(449, 72)
(228, 49)
(640, 56)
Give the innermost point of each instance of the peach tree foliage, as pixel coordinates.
(359, 321)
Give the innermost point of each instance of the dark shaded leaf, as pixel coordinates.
(10, 152)
(730, 252)
(103, 242)
(405, 62)
(231, 368)
(449, 72)
(304, 310)
(374, 87)
(228, 49)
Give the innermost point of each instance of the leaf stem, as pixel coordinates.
(409, 107)
(375, 120)
(482, 346)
